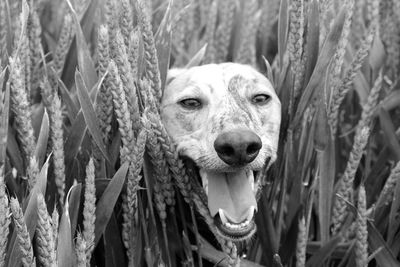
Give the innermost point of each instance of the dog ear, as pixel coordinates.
(172, 74)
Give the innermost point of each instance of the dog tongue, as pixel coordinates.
(230, 192)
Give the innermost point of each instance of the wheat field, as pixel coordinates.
(89, 176)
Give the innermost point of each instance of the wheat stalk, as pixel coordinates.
(46, 248)
(340, 92)
(179, 31)
(122, 113)
(301, 245)
(151, 71)
(80, 250)
(54, 223)
(104, 101)
(133, 52)
(226, 10)
(24, 239)
(345, 184)
(21, 108)
(34, 31)
(338, 57)
(130, 201)
(63, 44)
(211, 53)
(361, 244)
(390, 33)
(124, 70)
(295, 44)
(111, 21)
(125, 21)
(57, 143)
(89, 210)
(373, 11)
(21, 41)
(387, 192)
(247, 48)
(369, 107)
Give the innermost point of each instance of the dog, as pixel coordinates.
(225, 119)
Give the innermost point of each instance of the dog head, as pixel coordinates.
(225, 118)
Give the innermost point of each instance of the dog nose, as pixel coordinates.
(237, 147)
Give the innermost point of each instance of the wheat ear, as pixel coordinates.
(89, 210)
(46, 248)
(361, 245)
(345, 184)
(24, 239)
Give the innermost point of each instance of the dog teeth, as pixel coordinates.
(235, 226)
(222, 216)
(204, 180)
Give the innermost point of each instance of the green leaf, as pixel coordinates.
(197, 59)
(89, 114)
(73, 141)
(390, 132)
(65, 254)
(321, 133)
(66, 96)
(375, 241)
(41, 146)
(318, 76)
(114, 248)
(106, 203)
(391, 101)
(13, 151)
(268, 68)
(326, 167)
(85, 61)
(324, 252)
(162, 40)
(74, 204)
(4, 121)
(377, 54)
(30, 215)
(312, 39)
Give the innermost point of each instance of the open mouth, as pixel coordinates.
(231, 202)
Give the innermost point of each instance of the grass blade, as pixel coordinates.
(4, 123)
(197, 59)
(105, 205)
(390, 132)
(89, 114)
(312, 39)
(324, 252)
(375, 241)
(85, 61)
(65, 255)
(73, 204)
(41, 146)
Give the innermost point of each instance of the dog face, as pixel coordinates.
(224, 118)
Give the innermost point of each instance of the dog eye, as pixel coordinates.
(190, 103)
(260, 99)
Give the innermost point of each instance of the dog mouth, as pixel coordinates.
(231, 201)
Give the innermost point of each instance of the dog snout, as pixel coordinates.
(237, 147)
